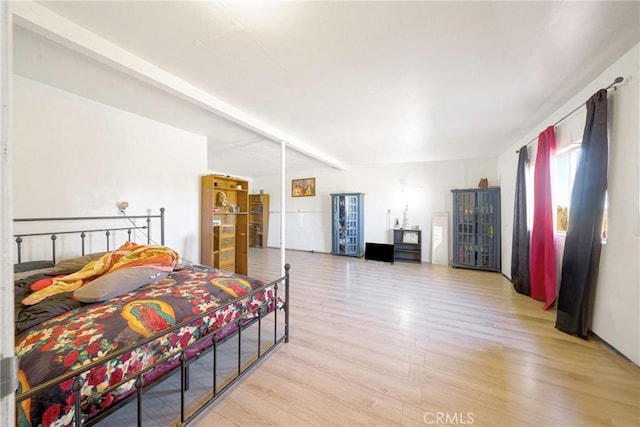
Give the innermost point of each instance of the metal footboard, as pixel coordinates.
(247, 318)
(181, 361)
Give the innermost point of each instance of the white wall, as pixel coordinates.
(425, 187)
(76, 157)
(617, 298)
(7, 403)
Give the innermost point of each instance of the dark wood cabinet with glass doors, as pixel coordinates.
(347, 224)
(476, 228)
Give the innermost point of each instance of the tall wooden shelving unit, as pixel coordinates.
(258, 220)
(224, 223)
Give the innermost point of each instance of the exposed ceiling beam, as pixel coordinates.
(48, 24)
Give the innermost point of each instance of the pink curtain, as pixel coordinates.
(542, 259)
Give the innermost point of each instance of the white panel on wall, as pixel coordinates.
(82, 157)
(616, 316)
(300, 230)
(440, 238)
(563, 135)
(569, 132)
(577, 125)
(7, 403)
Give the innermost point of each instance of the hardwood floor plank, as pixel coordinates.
(399, 345)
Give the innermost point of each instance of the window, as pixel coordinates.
(566, 166)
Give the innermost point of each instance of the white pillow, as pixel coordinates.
(118, 282)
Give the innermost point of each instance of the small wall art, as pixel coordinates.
(304, 187)
(411, 237)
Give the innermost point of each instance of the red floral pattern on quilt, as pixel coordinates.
(89, 333)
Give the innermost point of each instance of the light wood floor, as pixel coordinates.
(405, 344)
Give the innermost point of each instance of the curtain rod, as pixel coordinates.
(618, 80)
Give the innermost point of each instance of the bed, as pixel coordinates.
(86, 352)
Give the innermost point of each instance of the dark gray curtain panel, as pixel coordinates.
(520, 276)
(584, 234)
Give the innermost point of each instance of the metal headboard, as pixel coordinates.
(83, 232)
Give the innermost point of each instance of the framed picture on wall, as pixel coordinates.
(304, 187)
(410, 237)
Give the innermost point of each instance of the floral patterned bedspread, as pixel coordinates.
(90, 332)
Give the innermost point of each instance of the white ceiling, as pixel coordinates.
(350, 82)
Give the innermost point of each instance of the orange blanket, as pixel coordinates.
(126, 256)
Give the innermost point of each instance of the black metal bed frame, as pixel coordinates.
(83, 233)
(245, 320)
